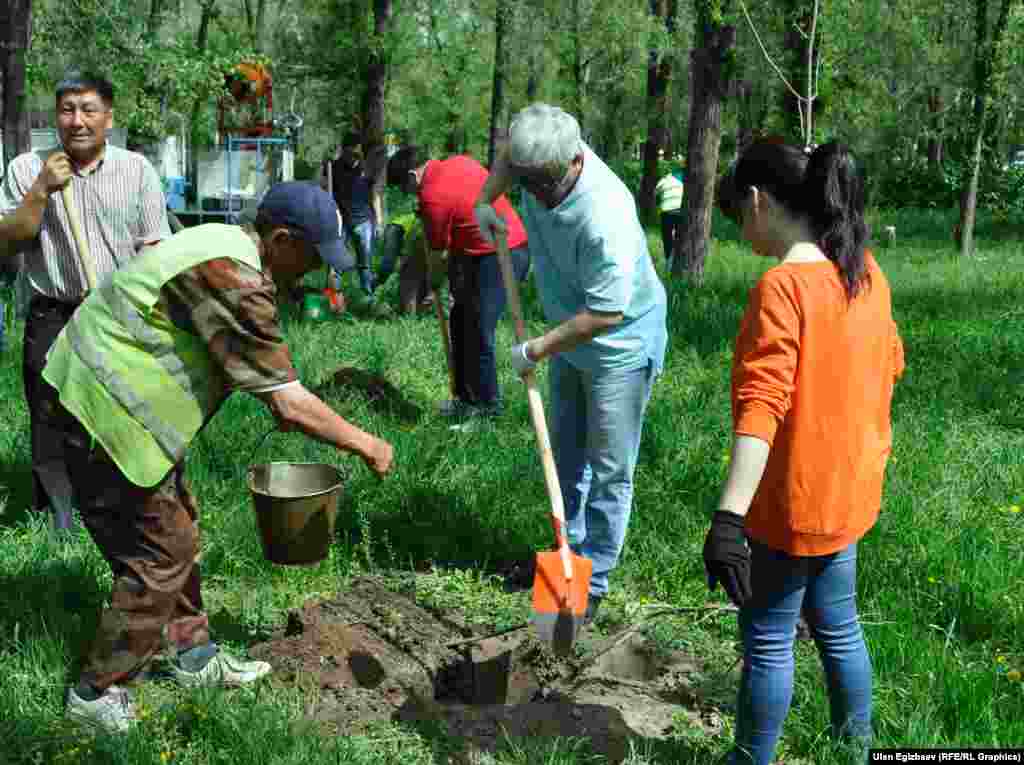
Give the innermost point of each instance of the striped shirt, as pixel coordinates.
(120, 203)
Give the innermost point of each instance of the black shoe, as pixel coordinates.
(593, 604)
(520, 577)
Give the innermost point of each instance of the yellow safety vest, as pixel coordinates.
(140, 385)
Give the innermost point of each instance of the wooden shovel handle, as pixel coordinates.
(442, 321)
(76, 231)
(540, 426)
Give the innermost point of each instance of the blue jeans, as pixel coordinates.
(596, 423)
(361, 237)
(825, 588)
(480, 298)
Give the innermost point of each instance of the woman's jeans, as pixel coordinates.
(824, 587)
(360, 258)
(596, 424)
(479, 293)
(362, 236)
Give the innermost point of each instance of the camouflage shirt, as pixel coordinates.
(233, 308)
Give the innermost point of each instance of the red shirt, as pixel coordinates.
(447, 193)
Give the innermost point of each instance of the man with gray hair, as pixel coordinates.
(599, 289)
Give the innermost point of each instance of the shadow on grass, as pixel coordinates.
(51, 604)
(380, 394)
(15, 489)
(983, 375)
(429, 527)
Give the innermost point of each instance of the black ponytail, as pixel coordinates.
(834, 198)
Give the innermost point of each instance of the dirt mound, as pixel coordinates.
(372, 654)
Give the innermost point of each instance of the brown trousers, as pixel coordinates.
(150, 539)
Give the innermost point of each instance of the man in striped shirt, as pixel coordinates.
(122, 208)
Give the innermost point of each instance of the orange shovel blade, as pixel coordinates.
(558, 605)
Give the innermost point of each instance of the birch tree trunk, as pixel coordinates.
(987, 52)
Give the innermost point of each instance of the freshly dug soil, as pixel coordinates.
(371, 654)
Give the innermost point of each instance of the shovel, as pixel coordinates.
(442, 321)
(54, 477)
(81, 246)
(561, 584)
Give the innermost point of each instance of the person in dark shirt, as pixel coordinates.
(360, 206)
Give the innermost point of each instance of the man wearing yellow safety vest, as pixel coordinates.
(142, 366)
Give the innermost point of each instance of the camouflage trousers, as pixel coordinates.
(150, 538)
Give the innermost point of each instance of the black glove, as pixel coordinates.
(726, 557)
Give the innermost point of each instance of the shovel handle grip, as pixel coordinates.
(81, 245)
(540, 426)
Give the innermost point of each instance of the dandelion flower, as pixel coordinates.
(1014, 508)
(165, 756)
(1013, 675)
(1000, 659)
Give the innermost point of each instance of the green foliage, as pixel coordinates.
(153, 77)
(1001, 192)
(631, 171)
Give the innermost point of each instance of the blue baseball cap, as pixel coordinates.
(310, 211)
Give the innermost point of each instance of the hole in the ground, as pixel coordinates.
(632, 660)
(374, 656)
(366, 669)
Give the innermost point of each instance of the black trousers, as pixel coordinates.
(50, 483)
(476, 285)
(671, 225)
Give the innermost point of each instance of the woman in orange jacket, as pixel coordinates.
(815, 363)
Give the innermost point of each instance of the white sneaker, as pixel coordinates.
(113, 712)
(223, 669)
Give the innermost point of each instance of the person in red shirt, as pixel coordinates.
(815, 364)
(446, 191)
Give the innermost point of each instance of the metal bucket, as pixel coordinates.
(296, 504)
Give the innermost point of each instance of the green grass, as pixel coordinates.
(941, 575)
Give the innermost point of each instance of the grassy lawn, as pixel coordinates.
(941, 575)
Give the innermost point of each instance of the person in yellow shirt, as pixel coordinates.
(669, 196)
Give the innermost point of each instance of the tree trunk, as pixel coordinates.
(533, 74)
(746, 121)
(659, 72)
(988, 47)
(969, 199)
(709, 82)
(373, 96)
(578, 66)
(501, 12)
(15, 33)
(156, 9)
(935, 109)
(255, 13)
(799, 18)
(209, 12)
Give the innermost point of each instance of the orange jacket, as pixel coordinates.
(813, 375)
